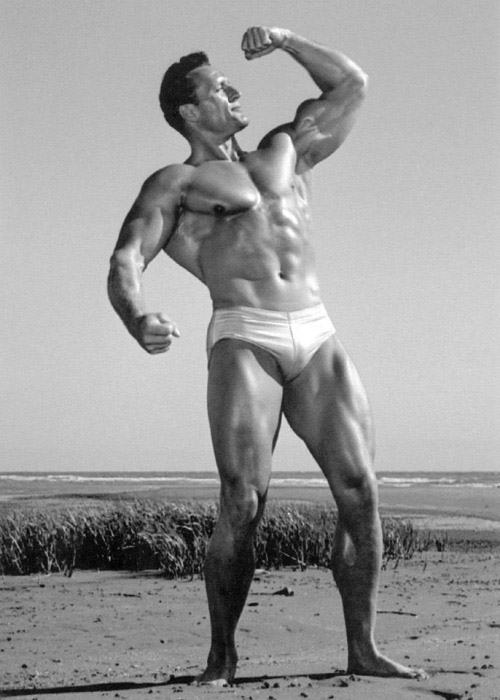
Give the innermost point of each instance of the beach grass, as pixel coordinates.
(173, 537)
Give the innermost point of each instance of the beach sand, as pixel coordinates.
(102, 635)
(117, 635)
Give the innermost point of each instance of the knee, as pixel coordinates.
(241, 507)
(358, 494)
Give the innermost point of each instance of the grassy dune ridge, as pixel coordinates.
(173, 537)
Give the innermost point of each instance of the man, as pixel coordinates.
(240, 222)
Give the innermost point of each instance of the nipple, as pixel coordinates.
(219, 210)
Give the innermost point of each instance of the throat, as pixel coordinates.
(236, 152)
(206, 150)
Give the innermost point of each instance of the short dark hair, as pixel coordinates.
(178, 89)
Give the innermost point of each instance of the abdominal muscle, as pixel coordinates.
(261, 258)
(272, 290)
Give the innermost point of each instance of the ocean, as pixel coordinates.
(470, 500)
(34, 483)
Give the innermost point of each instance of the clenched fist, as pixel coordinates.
(155, 332)
(259, 41)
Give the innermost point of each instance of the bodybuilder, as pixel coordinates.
(240, 223)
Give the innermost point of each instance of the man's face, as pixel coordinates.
(218, 102)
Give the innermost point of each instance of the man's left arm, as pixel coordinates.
(321, 125)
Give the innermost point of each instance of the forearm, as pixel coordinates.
(327, 67)
(125, 289)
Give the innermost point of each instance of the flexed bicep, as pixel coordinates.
(321, 126)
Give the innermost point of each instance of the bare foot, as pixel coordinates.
(382, 666)
(218, 673)
(215, 683)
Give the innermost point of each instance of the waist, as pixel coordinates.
(272, 293)
(309, 313)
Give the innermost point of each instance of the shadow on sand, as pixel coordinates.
(173, 680)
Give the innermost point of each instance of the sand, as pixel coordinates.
(102, 635)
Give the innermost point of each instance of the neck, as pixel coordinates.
(203, 149)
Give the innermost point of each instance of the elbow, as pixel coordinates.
(360, 80)
(124, 259)
(116, 260)
(358, 87)
(365, 81)
(113, 274)
(115, 265)
(124, 265)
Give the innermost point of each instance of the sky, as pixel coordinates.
(406, 219)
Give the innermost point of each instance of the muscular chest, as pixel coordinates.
(223, 188)
(239, 211)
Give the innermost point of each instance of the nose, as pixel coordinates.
(232, 93)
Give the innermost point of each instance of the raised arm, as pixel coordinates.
(144, 233)
(320, 125)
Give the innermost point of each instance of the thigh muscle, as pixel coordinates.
(327, 407)
(244, 407)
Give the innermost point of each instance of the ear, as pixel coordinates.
(189, 112)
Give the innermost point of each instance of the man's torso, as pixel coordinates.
(244, 229)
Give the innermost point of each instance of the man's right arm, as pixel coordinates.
(321, 125)
(144, 233)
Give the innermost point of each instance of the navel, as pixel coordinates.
(219, 210)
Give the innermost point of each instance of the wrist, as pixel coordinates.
(134, 324)
(284, 40)
(292, 43)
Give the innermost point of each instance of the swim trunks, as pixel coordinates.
(291, 337)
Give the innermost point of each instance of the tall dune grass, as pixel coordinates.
(173, 538)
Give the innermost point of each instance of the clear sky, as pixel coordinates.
(406, 216)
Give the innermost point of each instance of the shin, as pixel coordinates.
(229, 570)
